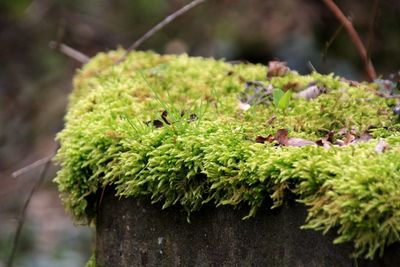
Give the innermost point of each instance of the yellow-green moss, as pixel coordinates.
(109, 140)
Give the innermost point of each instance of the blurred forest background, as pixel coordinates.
(35, 81)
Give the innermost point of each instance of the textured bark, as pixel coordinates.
(132, 232)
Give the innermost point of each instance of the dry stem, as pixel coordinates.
(69, 52)
(159, 26)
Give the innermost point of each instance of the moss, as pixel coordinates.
(209, 154)
(92, 262)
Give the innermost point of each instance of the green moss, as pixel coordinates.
(106, 142)
(91, 262)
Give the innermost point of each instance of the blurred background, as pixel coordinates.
(35, 81)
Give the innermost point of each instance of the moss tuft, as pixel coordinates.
(204, 151)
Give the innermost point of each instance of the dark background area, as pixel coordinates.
(35, 81)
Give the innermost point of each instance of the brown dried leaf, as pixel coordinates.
(327, 140)
(291, 86)
(282, 136)
(261, 139)
(158, 123)
(349, 138)
(164, 115)
(324, 143)
(277, 68)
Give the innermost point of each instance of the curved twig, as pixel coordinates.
(159, 26)
(22, 216)
(355, 38)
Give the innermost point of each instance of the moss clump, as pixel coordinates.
(117, 134)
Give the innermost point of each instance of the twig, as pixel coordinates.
(69, 52)
(22, 216)
(32, 166)
(159, 26)
(355, 38)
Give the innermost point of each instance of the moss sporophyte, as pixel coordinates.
(173, 128)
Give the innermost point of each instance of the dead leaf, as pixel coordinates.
(299, 142)
(326, 141)
(277, 68)
(164, 115)
(381, 146)
(311, 92)
(282, 136)
(261, 139)
(158, 123)
(349, 137)
(365, 137)
(291, 86)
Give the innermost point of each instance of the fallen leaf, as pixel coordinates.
(326, 141)
(291, 86)
(261, 139)
(349, 137)
(298, 142)
(164, 115)
(311, 92)
(381, 146)
(277, 68)
(365, 137)
(282, 136)
(158, 123)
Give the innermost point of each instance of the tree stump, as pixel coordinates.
(133, 232)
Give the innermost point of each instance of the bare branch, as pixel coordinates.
(69, 52)
(355, 38)
(159, 26)
(32, 166)
(22, 216)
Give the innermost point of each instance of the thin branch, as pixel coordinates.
(32, 166)
(355, 38)
(69, 52)
(22, 216)
(159, 26)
